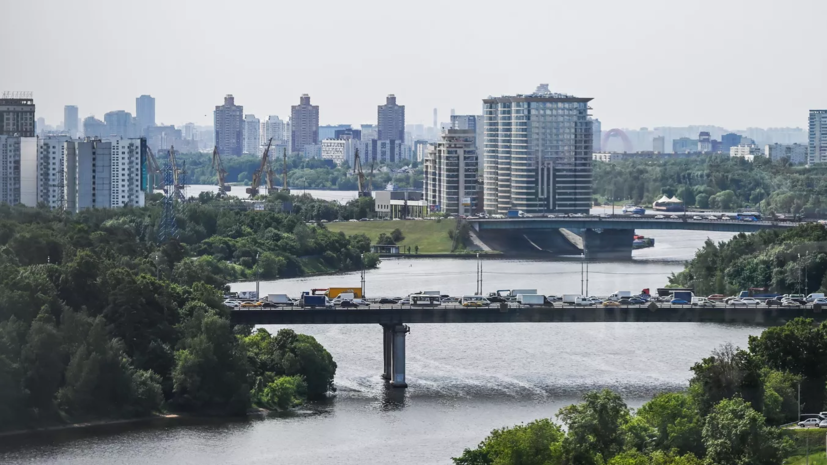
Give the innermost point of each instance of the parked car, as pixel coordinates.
(810, 422)
(678, 302)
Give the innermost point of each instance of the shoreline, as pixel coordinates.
(88, 425)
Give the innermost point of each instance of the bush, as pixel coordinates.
(284, 392)
(397, 235)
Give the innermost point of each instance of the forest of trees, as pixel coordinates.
(100, 320)
(717, 182)
(728, 415)
(302, 173)
(790, 261)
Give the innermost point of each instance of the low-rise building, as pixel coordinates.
(797, 153)
(404, 203)
(608, 157)
(746, 151)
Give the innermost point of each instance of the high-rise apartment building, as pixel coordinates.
(274, 128)
(93, 127)
(729, 140)
(18, 170)
(229, 127)
(704, 142)
(252, 135)
(538, 153)
(450, 177)
(17, 114)
(329, 131)
(304, 119)
(597, 132)
(659, 144)
(817, 152)
(70, 120)
(145, 112)
(104, 173)
(381, 151)
(391, 120)
(51, 155)
(369, 132)
(797, 153)
(120, 123)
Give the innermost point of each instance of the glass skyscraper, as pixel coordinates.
(537, 153)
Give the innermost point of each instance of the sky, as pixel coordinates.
(646, 63)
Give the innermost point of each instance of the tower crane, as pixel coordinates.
(154, 171)
(360, 176)
(284, 187)
(261, 171)
(218, 166)
(177, 177)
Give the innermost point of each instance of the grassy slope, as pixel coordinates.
(430, 236)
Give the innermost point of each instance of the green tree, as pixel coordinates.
(397, 235)
(735, 433)
(269, 265)
(595, 428)
(536, 443)
(284, 392)
(677, 422)
(727, 373)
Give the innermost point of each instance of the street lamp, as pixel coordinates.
(363, 276)
(258, 271)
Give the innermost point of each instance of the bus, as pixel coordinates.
(748, 216)
(424, 300)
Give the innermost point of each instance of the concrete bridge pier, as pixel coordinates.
(387, 351)
(608, 244)
(398, 377)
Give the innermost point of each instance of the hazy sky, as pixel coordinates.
(734, 63)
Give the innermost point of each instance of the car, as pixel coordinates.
(821, 301)
(724, 217)
(450, 300)
(712, 217)
(611, 303)
(706, 303)
(385, 300)
(635, 301)
(637, 216)
(810, 422)
(659, 217)
(353, 221)
(790, 303)
(252, 304)
(232, 303)
(348, 304)
(551, 298)
(673, 217)
(364, 219)
(750, 301)
(716, 297)
(497, 299)
(822, 424)
(678, 302)
(474, 303)
(696, 217)
(773, 303)
(405, 301)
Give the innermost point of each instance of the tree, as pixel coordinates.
(269, 265)
(536, 443)
(595, 428)
(727, 373)
(397, 235)
(702, 201)
(43, 364)
(677, 422)
(299, 354)
(735, 433)
(284, 392)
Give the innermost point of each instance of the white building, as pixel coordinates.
(381, 151)
(252, 135)
(18, 170)
(339, 150)
(797, 153)
(817, 152)
(608, 157)
(747, 151)
(450, 180)
(104, 173)
(51, 153)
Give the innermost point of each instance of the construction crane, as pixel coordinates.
(271, 177)
(370, 179)
(156, 176)
(360, 176)
(261, 171)
(177, 177)
(284, 187)
(218, 166)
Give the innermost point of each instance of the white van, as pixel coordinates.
(815, 296)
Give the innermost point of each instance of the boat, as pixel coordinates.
(641, 242)
(668, 204)
(633, 210)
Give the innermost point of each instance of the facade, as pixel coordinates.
(450, 179)
(304, 119)
(70, 120)
(329, 131)
(105, 173)
(684, 145)
(704, 142)
(18, 170)
(381, 151)
(17, 114)
(93, 127)
(399, 204)
(145, 113)
(608, 157)
(538, 153)
(163, 137)
(746, 151)
(229, 127)
(369, 132)
(817, 151)
(274, 128)
(421, 148)
(659, 144)
(597, 133)
(797, 153)
(350, 133)
(312, 151)
(729, 140)
(252, 135)
(119, 123)
(391, 120)
(339, 150)
(51, 155)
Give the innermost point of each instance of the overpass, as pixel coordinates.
(606, 236)
(393, 320)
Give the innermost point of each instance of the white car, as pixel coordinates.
(822, 424)
(673, 217)
(810, 422)
(696, 217)
(232, 303)
(821, 301)
(660, 217)
(724, 217)
(713, 217)
(790, 303)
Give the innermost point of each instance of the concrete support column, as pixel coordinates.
(609, 244)
(387, 351)
(398, 378)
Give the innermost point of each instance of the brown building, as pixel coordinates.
(304, 123)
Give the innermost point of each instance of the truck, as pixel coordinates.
(620, 295)
(530, 300)
(760, 293)
(334, 292)
(574, 299)
(514, 293)
(515, 214)
(279, 299)
(683, 295)
(248, 295)
(313, 301)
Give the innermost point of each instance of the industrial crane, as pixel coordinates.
(360, 176)
(154, 171)
(177, 177)
(218, 166)
(261, 171)
(284, 187)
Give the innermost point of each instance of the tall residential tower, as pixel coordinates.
(304, 118)
(391, 120)
(145, 112)
(818, 137)
(229, 127)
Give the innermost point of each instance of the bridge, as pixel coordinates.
(604, 236)
(394, 319)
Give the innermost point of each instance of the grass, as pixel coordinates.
(817, 452)
(431, 236)
(816, 458)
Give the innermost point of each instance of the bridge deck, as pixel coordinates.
(626, 222)
(633, 314)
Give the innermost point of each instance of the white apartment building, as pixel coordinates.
(51, 154)
(797, 153)
(381, 151)
(339, 150)
(128, 161)
(104, 173)
(608, 157)
(817, 152)
(450, 180)
(252, 135)
(18, 170)
(746, 151)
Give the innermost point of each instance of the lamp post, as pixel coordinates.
(258, 271)
(363, 276)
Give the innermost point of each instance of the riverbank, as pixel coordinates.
(88, 425)
(430, 236)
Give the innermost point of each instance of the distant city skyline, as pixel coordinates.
(645, 62)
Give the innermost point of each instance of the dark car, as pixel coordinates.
(497, 299)
(387, 301)
(773, 303)
(635, 301)
(348, 304)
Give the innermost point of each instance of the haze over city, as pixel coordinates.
(734, 64)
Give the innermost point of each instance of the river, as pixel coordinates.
(465, 380)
